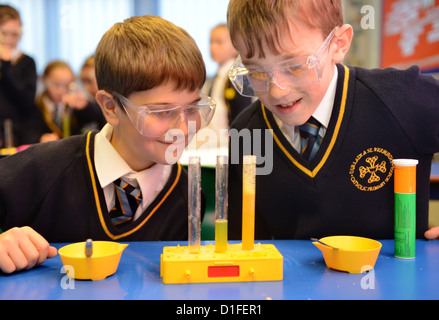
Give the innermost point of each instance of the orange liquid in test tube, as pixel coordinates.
(248, 202)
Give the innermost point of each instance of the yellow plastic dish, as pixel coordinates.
(103, 262)
(354, 254)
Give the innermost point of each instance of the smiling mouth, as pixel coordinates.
(176, 140)
(289, 105)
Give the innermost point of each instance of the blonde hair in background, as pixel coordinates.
(263, 24)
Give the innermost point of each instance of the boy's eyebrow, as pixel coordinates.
(167, 103)
(282, 57)
(289, 56)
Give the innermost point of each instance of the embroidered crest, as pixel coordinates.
(372, 169)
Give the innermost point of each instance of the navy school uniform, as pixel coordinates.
(18, 83)
(347, 189)
(53, 188)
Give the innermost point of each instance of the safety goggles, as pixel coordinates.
(287, 74)
(154, 121)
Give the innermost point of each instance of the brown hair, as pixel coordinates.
(55, 65)
(220, 26)
(145, 52)
(8, 13)
(266, 22)
(89, 62)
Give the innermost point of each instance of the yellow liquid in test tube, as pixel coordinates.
(221, 203)
(221, 235)
(248, 202)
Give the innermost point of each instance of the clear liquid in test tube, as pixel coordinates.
(194, 212)
(221, 205)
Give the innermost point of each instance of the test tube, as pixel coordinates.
(248, 202)
(66, 123)
(405, 208)
(9, 133)
(194, 210)
(221, 198)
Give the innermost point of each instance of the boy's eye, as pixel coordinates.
(259, 76)
(295, 70)
(191, 109)
(163, 114)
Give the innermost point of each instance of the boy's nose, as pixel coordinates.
(186, 125)
(183, 125)
(276, 90)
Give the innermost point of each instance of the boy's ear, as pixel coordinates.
(343, 39)
(108, 105)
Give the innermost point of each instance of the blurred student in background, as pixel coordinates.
(18, 80)
(84, 98)
(88, 78)
(229, 102)
(65, 109)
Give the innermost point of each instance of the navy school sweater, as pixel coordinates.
(347, 189)
(53, 188)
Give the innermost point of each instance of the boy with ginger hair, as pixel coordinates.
(336, 129)
(118, 184)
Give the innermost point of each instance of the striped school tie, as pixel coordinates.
(127, 201)
(310, 138)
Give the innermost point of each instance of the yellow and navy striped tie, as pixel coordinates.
(310, 138)
(128, 199)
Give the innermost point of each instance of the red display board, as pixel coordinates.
(410, 34)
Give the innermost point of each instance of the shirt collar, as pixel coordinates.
(322, 114)
(324, 110)
(111, 166)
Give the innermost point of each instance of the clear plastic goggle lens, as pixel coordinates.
(155, 120)
(296, 71)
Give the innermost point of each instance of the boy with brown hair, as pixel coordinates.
(336, 129)
(118, 184)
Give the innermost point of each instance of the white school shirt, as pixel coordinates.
(110, 166)
(322, 114)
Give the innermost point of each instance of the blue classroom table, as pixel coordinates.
(305, 278)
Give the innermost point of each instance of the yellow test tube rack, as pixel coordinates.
(240, 262)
